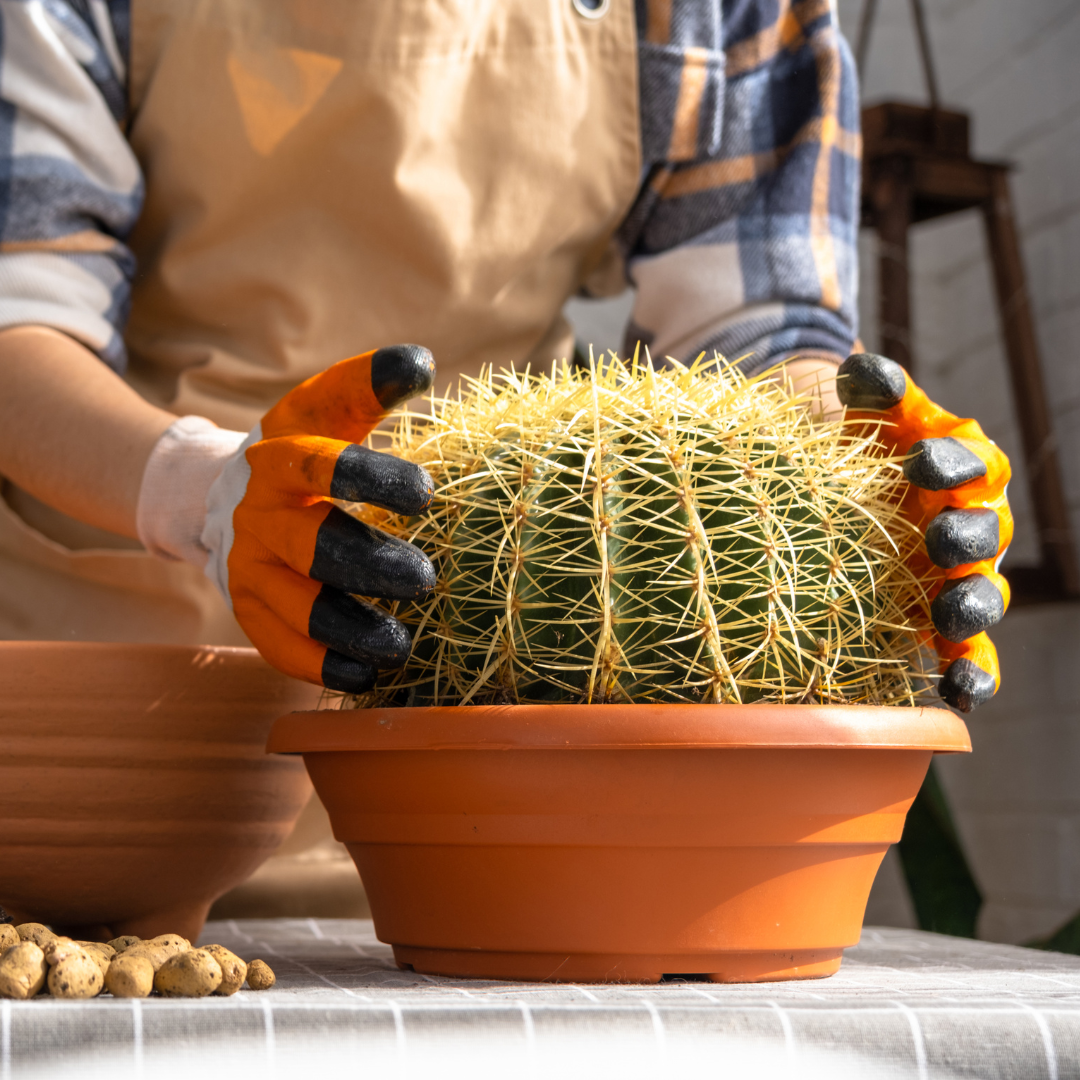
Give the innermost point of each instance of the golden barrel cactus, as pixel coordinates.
(630, 533)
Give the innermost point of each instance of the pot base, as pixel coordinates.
(722, 967)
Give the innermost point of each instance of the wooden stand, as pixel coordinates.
(916, 167)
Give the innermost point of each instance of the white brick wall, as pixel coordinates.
(1015, 67)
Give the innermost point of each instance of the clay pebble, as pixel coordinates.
(100, 952)
(260, 976)
(34, 959)
(60, 948)
(233, 969)
(101, 947)
(22, 971)
(159, 949)
(124, 941)
(192, 973)
(36, 932)
(130, 977)
(75, 974)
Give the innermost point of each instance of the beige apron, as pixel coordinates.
(328, 176)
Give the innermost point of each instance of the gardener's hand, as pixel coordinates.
(289, 559)
(255, 512)
(957, 498)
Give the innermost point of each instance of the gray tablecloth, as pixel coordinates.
(904, 1004)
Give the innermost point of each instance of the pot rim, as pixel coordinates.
(621, 727)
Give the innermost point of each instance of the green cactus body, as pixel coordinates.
(641, 535)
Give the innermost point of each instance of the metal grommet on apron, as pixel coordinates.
(591, 9)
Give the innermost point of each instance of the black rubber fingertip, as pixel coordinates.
(346, 675)
(358, 629)
(358, 558)
(368, 476)
(965, 685)
(400, 372)
(937, 464)
(869, 381)
(956, 537)
(966, 607)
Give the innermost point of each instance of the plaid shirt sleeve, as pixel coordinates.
(743, 237)
(70, 187)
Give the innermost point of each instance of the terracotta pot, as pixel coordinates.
(619, 842)
(134, 784)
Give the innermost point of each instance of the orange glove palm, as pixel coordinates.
(957, 498)
(291, 561)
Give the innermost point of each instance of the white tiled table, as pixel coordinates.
(904, 1004)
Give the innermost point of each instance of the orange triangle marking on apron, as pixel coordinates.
(276, 98)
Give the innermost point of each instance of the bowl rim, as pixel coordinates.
(620, 727)
(128, 647)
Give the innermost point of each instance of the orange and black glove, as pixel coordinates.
(292, 563)
(957, 499)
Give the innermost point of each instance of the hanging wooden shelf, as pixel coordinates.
(917, 166)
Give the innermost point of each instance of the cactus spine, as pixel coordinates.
(634, 534)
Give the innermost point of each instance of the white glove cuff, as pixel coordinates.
(221, 500)
(184, 463)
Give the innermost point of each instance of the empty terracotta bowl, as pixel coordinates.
(134, 784)
(620, 842)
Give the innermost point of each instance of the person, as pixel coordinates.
(205, 205)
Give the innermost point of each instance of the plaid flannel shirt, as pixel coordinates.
(742, 237)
